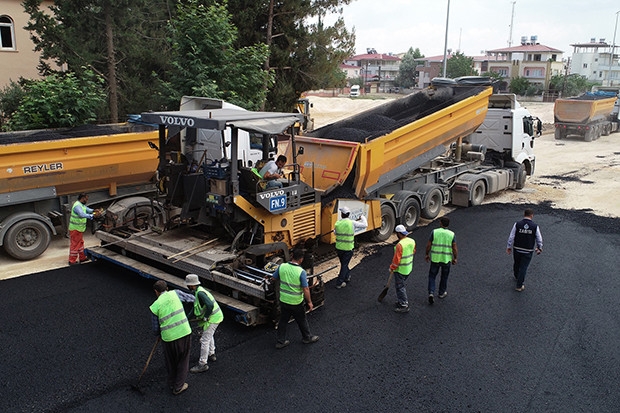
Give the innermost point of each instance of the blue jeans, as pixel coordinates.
(345, 258)
(521, 262)
(274, 183)
(432, 274)
(401, 290)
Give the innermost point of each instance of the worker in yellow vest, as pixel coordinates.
(170, 321)
(293, 290)
(401, 266)
(209, 315)
(345, 230)
(80, 213)
(441, 252)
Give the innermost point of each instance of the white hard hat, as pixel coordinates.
(401, 229)
(191, 279)
(345, 210)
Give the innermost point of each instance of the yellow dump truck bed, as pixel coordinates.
(390, 141)
(75, 164)
(583, 109)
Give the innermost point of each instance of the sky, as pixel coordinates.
(393, 26)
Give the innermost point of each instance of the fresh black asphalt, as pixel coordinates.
(76, 339)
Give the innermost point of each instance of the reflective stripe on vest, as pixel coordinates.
(216, 315)
(172, 320)
(77, 223)
(441, 248)
(406, 260)
(345, 235)
(291, 291)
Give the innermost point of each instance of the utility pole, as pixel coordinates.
(445, 45)
(613, 47)
(512, 18)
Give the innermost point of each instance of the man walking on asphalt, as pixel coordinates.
(209, 316)
(524, 239)
(441, 251)
(77, 225)
(293, 289)
(345, 242)
(401, 266)
(170, 321)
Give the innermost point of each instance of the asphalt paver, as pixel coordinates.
(76, 339)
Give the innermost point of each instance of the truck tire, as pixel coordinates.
(589, 135)
(409, 213)
(519, 172)
(478, 191)
(433, 201)
(559, 134)
(388, 223)
(27, 239)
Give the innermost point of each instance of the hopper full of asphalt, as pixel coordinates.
(76, 339)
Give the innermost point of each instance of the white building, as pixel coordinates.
(594, 61)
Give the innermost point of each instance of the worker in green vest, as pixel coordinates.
(170, 321)
(345, 230)
(80, 213)
(209, 315)
(293, 290)
(401, 266)
(441, 251)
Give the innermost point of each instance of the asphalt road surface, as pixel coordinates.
(76, 339)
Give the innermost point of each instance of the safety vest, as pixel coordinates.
(345, 234)
(525, 236)
(216, 315)
(441, 248)
(406, 260)
(76, 222)
(291, 291)
(173, 323)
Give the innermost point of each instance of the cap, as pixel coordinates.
(401, 229)
(345, 210)
(191, 279)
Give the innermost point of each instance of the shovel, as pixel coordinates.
(137, 385)
(387, 287)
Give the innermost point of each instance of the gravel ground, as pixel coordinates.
(76, 339)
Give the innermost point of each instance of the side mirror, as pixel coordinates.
(300, 151)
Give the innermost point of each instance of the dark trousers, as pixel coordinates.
(521, 262)
(177, 354)
(345, 258)
(299, 314)
(432, 274)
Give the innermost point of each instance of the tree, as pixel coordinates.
(460, 65)
(205, 61)
(121, 40)
(304, 52)
(571, 85)
(59, 101)
(407, 72)
(519, 85)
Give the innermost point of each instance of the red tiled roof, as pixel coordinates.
(532, 48)
(375, 56)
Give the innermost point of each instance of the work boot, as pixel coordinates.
(431, 298)
(402, 309)
(181, 390)
(311, 339)
(282, 345)
(212, 357)
(86, 259)
(341, 285)
(199, 368)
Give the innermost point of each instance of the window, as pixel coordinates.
(7, 33)
(537, 58)
(585, 65)
(534, 72)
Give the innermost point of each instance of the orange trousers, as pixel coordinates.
(76, 248)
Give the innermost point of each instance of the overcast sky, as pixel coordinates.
(476, 25)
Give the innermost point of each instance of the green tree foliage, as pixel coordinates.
(10, 98)
(206, 63)
(519, 85)
(460, 65)
(571, 85)
(407, 70)
(59, 101)
(305, 53)
(121, 40)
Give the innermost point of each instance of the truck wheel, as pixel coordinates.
(559, 134)
(433, 202)
(27, 239)
(410, 213)
(588, 136)
(478, 191)
(388, 223)
(519, 172)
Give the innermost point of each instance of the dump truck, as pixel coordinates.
(588, 116)
(391, 163)
(43, 171)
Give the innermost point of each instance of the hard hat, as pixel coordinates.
(191, 279)
(401, 229)
(345, 210)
